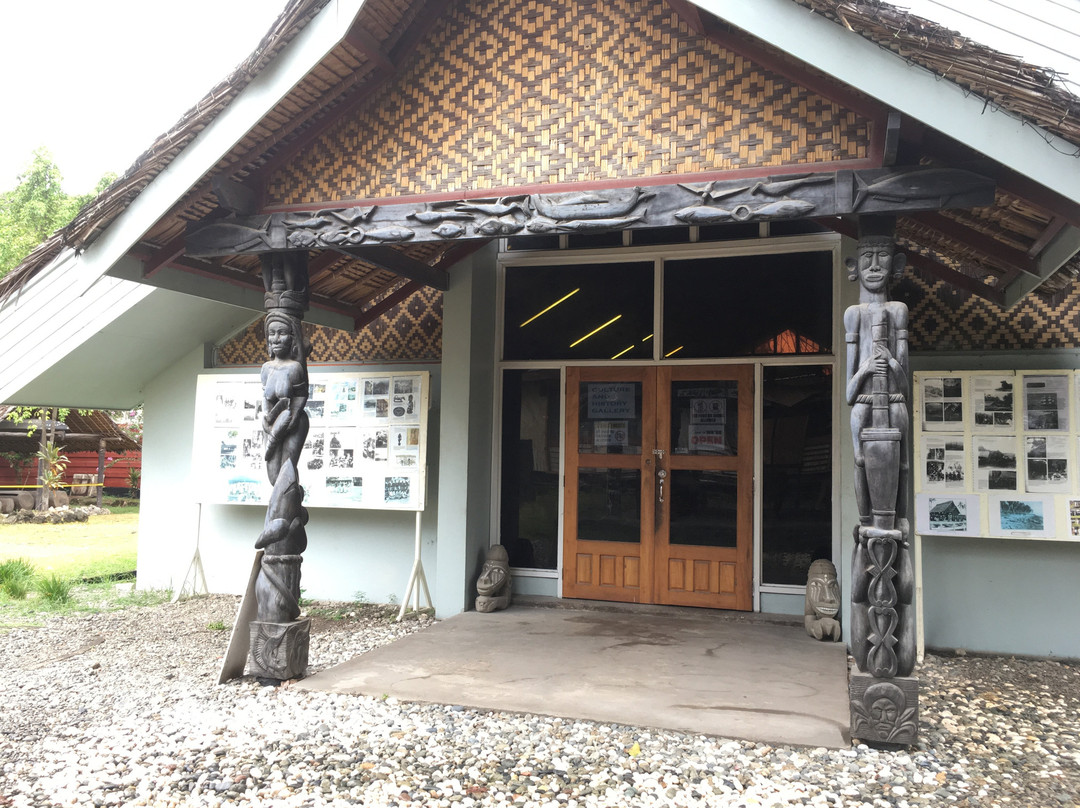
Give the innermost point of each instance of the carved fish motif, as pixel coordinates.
(390, 233)
(594, 225)
(498, 227)
(449, 230)
(541, 224)
(435, 216)
(781, 209)
(495, 207)
(703, 214)
(577, 205)
(937, 185)
(781, 187)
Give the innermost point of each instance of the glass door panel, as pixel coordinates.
(609, 505)
(704, 508)
(609, 417)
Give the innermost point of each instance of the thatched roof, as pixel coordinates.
(84, 433)
(389, 30)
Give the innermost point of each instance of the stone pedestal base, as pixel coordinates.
(279, 651)
(884, 712)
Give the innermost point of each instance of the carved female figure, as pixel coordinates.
(285, 422)
(285, 391)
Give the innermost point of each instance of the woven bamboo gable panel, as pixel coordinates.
(943, 318)
(411, 331)
(523, 92)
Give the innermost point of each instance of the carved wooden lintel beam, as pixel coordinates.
(754, 199)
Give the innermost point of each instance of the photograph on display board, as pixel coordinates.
(375, 444)
(397, 490)
(377, 399)
(1047, 460)
(1022, 516)
(229, 403)
(992, 403)
(244, 489)
(341, 400)
(404, 397)
(943, 404)
(948, 515)
(316, 403)
(1046, 403)
(315, 450)
(995, 463)
(943, 462)
(340, 449)
(1074, 518)
(252, 448)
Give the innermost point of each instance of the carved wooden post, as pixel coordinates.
(279, 641)
(884, 698)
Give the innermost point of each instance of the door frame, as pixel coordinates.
(842, 295)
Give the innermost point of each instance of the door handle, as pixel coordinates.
(661, 474)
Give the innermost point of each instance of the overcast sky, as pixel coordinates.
(95, 81)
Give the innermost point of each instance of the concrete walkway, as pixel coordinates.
(754, 677)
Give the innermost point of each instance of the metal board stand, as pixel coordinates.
(195, 572)
(417, 579)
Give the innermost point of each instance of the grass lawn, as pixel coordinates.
(105, 545)
(101, 546)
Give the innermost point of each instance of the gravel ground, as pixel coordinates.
(123, 709)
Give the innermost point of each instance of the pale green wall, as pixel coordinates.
(466, 417)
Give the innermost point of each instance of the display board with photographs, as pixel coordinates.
(993, 454)
(365, 448)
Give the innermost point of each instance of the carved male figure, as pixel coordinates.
(878, 390)
(822, 601)
(493, 585)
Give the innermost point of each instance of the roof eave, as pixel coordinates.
(856, 61)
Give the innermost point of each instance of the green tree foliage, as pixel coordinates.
(36, 207)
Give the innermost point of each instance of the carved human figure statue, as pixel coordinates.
(877, 349)
(822, 601)
(878, 390)
(285, 424)
(285, 392)
(493, 584)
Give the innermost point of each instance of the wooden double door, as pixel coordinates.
(658, 500)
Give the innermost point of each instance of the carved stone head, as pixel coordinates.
(495, 574)
(822, 590)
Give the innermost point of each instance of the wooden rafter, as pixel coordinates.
(401, 265)
(991, 250)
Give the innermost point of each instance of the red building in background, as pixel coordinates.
(91, 441)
